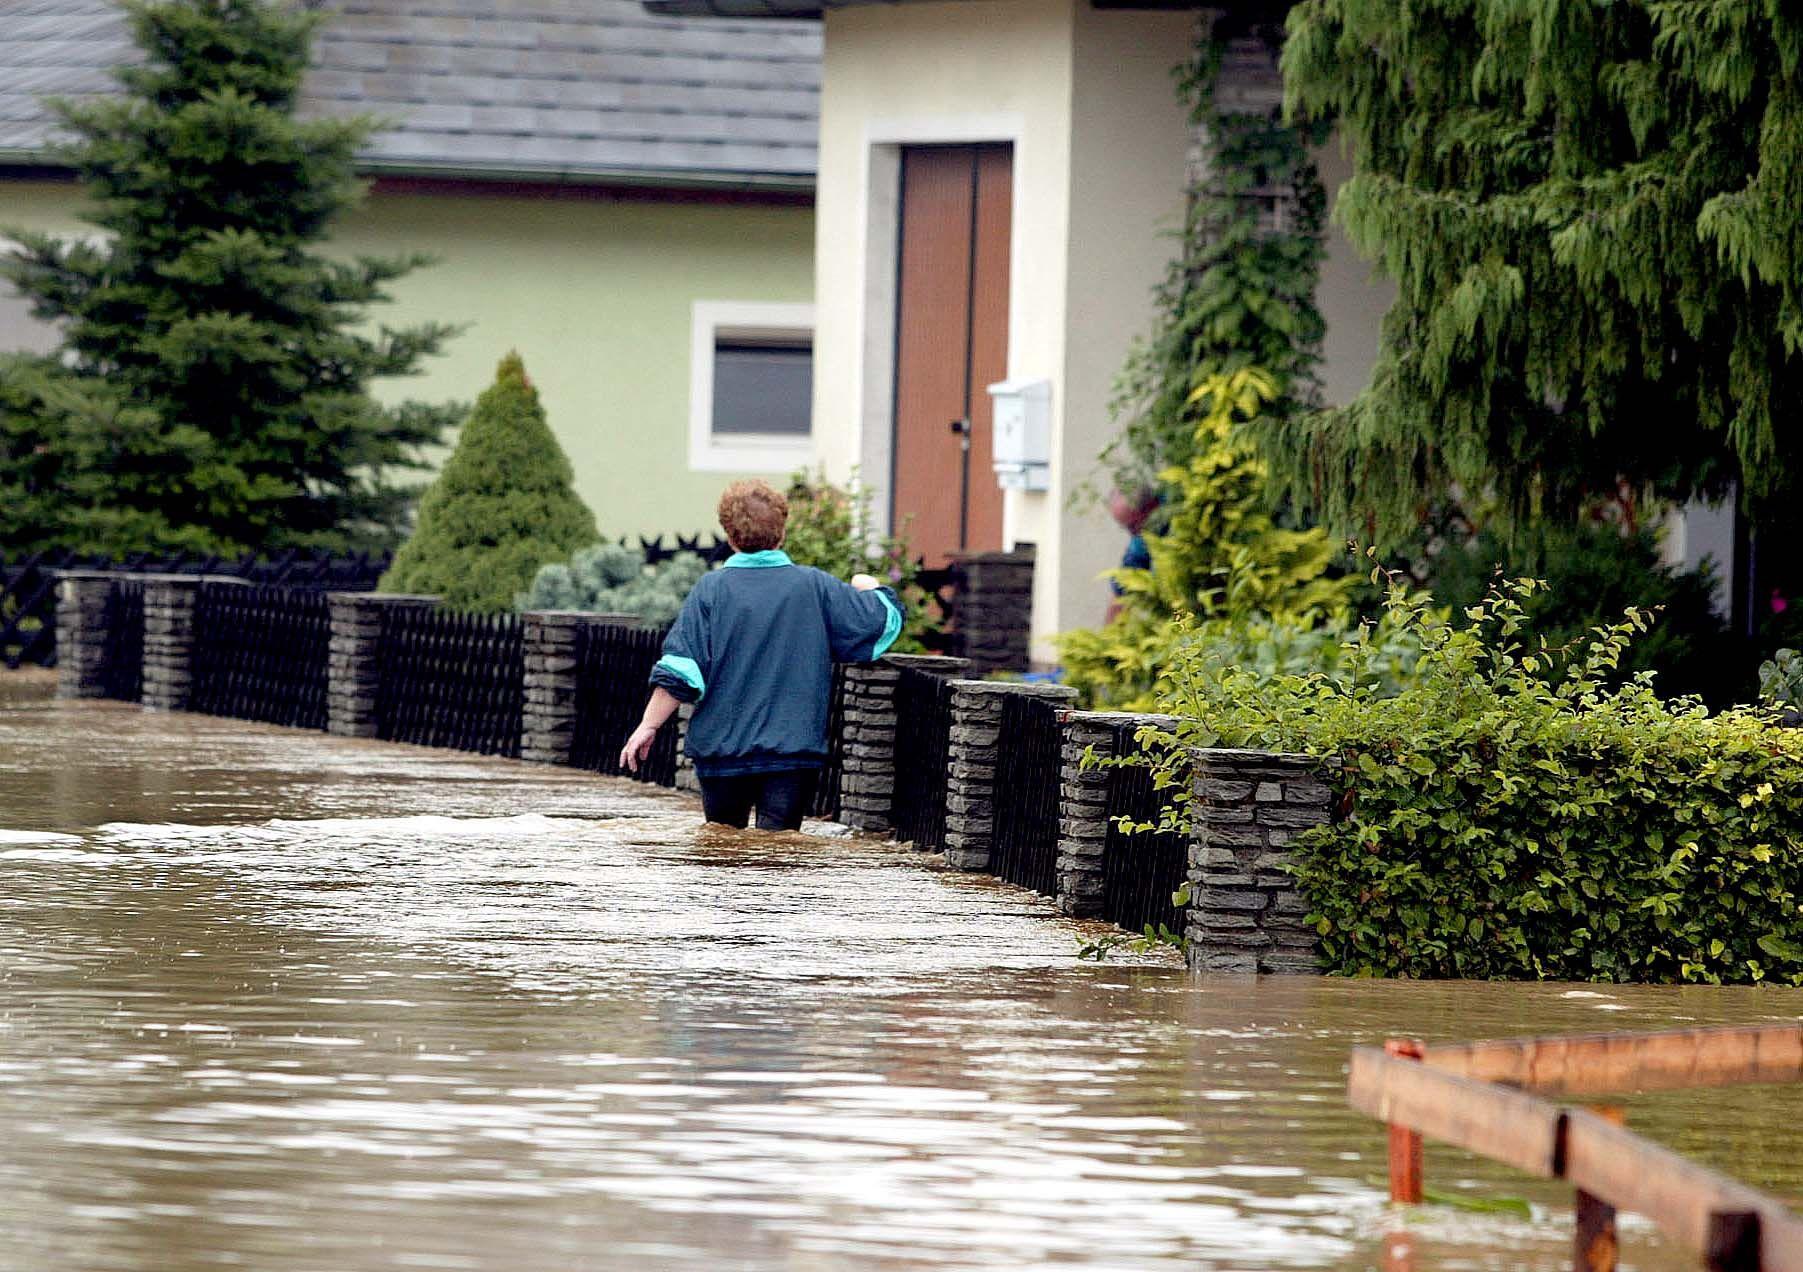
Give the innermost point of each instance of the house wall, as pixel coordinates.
(1085, 97)
(997, 71)
(597, 294)
(1131, 142)
(1352, 297)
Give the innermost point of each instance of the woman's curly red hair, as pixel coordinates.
(754, 515)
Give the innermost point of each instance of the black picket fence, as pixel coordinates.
(28, 585)
(923, 725)
(1028, 779)
(122, 659)
(613, 664)
(714, 551)
(451, 680)
(1140, 869)
(261, 653)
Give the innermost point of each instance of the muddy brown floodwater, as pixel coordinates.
(278, 1001)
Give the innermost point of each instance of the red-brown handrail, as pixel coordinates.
(1487, 1097)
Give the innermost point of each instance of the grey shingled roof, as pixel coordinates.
(585, 89)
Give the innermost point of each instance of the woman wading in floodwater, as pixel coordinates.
(754, 649)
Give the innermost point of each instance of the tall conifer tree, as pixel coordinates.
(1593, 213)
(212, 389)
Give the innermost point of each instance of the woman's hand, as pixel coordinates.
(637, 747)
(864, 582)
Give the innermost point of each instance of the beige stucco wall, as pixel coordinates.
(1085, 97)
(1131, 137)
(596, 294)
(1353, 299)
(918, 74)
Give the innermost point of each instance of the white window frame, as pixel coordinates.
(741, 452)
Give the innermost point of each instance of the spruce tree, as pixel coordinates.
(1593, 213)
(503, 505)
(212, 388)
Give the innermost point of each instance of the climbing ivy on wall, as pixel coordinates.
(1593, 213)
(1240, 291)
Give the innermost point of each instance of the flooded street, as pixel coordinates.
(279, 1001)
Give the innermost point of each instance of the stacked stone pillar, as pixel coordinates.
(354, 670)
(867, 780)
(1245, 912)
(993, 610)
(169, 604)
(551, 639)
(81, 634)
(976, 743)
(687, 780)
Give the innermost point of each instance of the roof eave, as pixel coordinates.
(553, 174)
(781, 183)
(797, 9)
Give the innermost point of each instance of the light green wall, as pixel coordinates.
(595, 294)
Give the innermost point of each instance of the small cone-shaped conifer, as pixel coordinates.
(503, 506)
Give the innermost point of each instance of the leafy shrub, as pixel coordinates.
(1781, 680)
(831, 528)
(1118, 667)
(611, 578)
(503, 506)
(1513, 812)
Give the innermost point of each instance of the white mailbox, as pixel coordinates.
(1023, 434)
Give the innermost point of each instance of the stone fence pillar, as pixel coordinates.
(353, 672)
(81, 632)
(993, 609)
(976, 742)
(867, 780)
(1083, 806)
(1245, 912)
(552, 639)
(687, 780)
(169, 603)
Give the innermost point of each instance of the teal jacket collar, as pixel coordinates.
(767, 559)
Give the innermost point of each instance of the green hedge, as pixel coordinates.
(1508, 814)
(1622, 850)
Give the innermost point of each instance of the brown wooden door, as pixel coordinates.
(951, 344)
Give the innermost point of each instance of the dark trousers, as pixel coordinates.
(781, 799)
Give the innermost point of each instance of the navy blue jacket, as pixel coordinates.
(754, 648)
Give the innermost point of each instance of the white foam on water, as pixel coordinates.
(430, 825)
(422, 826)
(37, 837)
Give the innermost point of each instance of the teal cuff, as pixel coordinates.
(891, 627)
(687, 670)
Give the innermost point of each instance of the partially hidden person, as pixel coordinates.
(753, 649)
(1130, 511)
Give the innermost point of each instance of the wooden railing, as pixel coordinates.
(1488, 1098)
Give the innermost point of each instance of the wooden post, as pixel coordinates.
(1406, 1153)
(1595, 1245)
(1399, 1251)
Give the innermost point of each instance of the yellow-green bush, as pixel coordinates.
(1222, 571)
